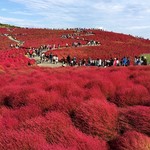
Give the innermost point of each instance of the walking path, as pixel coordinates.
(11, 38)
(46, 64)
(43, 64)
(20, 43)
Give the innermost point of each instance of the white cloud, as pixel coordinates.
(108, 7)
(5, 19)
(3, 9)
(138, 27)
(115, 15)
(43, 4)
(22, 13)
(19, 22)
(49, 10)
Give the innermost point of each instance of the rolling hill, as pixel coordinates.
(73, 108)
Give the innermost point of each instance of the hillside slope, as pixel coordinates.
(79, 43)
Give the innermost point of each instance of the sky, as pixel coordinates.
(121, 16)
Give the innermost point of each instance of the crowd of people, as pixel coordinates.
(125, 61)
(96, 62)
(49, 57)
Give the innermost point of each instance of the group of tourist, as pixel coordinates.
(73, 61)
(96, 62)
(140, 60)
(46, 57)
(125, 61)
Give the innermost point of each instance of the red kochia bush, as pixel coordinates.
(43, 99)
(101, 84)
(97, 118)
(14, 96)
(142, 76)
(7, 121)
(137, 118)
(57, 128)
(129, 94)
(11, 118)
(22, 140)
(131, 140)
(27, 140)
(25, 113)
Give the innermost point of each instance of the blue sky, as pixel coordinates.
(129, 17)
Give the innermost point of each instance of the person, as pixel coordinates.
(51, 57)
(124, 61)
(128, 61)
(71, 62)
(56, 59)
(83, 62)
(68, 59)
(30, 52)
(99, 62)
(67, 45)
(115, 62)
(11, 45)
(42, 57)
(111, 61)
(80, 63)
(142, 60)
(63, 62)
(138, 61)
(74, 61)
(89, 61)
(145, 61)
(135, 60)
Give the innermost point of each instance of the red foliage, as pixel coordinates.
(129, 88)
(131, 140)
(14, 96)
(68, 107)
(141, 76)
(15, 140)
(24, 113)
(13, 58)
(136, 118)
(97, 118)
(44, 100)
(57, 129)
(132, 94)
(7, 120)
(101, 84)
(119, 76)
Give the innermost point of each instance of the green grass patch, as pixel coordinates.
(7, 26)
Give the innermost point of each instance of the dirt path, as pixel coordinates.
(20, 43)
(46, 64)
(15, 40)
(11, 38)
